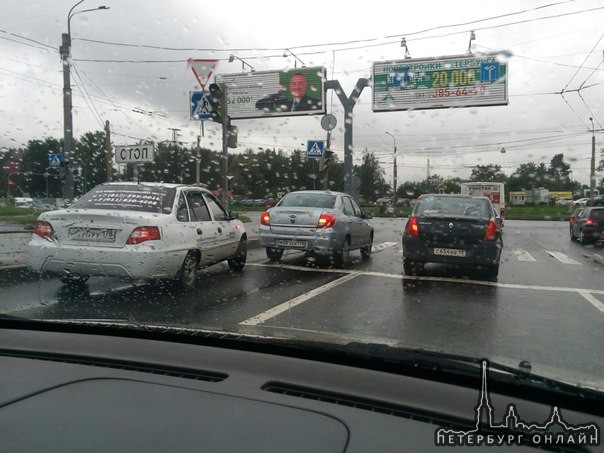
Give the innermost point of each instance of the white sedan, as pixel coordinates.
(138, 231)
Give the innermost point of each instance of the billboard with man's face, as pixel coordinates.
(292, 92)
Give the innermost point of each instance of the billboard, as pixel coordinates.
(441, 82)
(292, 92)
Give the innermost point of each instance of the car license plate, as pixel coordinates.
(291, 243)
(450, 252)
(91, 234)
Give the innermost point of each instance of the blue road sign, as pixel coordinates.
(489, 72)
(314, 149)
(200, 104)
(54, 160)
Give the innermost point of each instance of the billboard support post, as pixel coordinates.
(348, 103)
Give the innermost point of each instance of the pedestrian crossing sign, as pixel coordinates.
(314, 149)
(200, 105)
(54, 160)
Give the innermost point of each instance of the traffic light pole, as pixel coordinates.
(225, 147)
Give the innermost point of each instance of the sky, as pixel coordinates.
(129, 67)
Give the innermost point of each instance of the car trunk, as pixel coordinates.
(97, 228)
(452, 231)
(295, 221)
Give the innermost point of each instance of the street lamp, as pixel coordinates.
(286, 51)
(394, 185)
(65, 50)
(232, 58)
(592, 173)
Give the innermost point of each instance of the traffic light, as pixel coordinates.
(325, 160)
(217, 99)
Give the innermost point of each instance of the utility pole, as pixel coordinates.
(198, 161)
(394, 182)
(592, 173)
(68, 180)
(108, 152)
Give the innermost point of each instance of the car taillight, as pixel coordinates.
(491, 233)
(43, 229)
(326, 221)
(591, 222)
(572, 220)
(412, 227)
(265, 219)
(142, 234)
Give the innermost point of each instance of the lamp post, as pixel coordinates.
(592, 173)
(65, 50)
(394, 184)
(232, 58)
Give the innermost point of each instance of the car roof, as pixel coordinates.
(325, 192)
(453, 195)
(169, 185)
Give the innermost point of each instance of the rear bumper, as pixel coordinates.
(484, 253)
(135, 262)
(322, 242)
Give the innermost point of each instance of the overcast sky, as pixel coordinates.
(134, 55)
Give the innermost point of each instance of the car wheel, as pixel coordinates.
(237, 261)
(412, 267)
(572, 236)
(366, 251)
(583, 239)
(274, 254)
(342, 256)
(69, 279)
(187, 276)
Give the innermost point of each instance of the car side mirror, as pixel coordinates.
(368, 215)
(233, 215)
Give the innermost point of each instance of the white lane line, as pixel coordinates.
(562, 258)
(382, 246)
(592, 300)
(288, 305)
(523, 255)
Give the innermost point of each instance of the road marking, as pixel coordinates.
(288, 305)
(592, 300)
(523, 255)
(562, 258)
(382, 246)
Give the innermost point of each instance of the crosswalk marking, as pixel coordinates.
(563, 258)
(523, 255)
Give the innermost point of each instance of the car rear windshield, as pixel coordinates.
(446, 206)
(308, 200)
(141, 198)
(597, 214)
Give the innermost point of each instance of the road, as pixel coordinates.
(547, 305)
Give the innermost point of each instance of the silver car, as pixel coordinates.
(317, 222)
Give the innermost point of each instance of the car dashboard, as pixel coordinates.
(72, 391)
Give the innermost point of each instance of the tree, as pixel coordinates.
(487, 173)
(89, 160)
(35, 166)
(371, 176)
(558, 173)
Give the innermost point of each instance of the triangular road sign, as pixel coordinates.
(203, 70)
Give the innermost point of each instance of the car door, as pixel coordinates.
(226, 234)
(354, 221)
(207, 237)
(579, 221)
(364, 225)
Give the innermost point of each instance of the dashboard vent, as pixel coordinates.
(185, 373)
(361, 403)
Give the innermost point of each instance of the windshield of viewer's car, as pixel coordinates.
(318, 171)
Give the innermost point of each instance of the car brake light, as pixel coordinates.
(142, 234)
(591, 222)
(491, 233)
(412, 227)
(265, 219)
(43, 229)
(326, 221)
